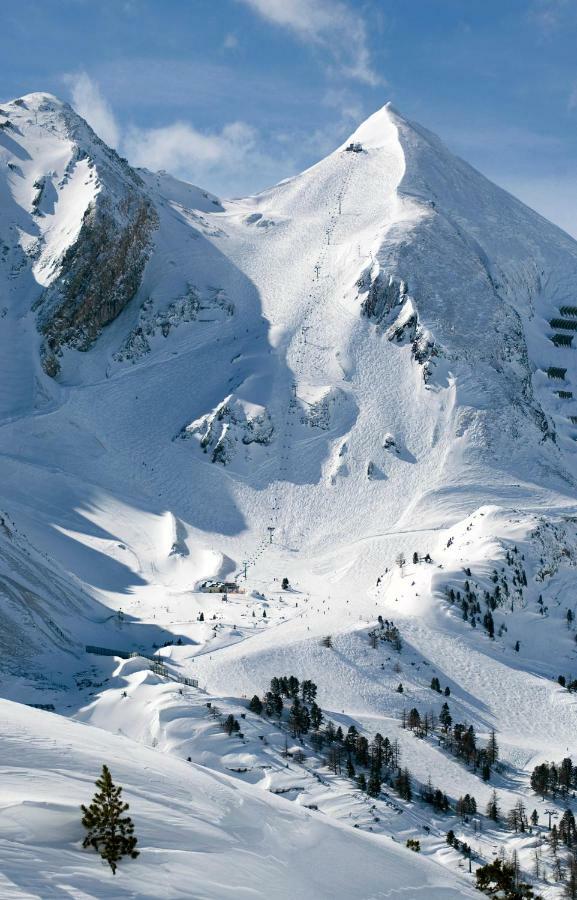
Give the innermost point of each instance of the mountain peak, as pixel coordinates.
(39, 100)
(376, 131)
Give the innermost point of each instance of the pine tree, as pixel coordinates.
(565, 775)
(316, 716)
(540, 779)
(492, 749)
(308, 690)
(493, 811)
(445, 717)
(567, 828)
(294, 718)
(293, 687)
(489, 624)
(500, 879)
(402, 784)
(570, 890)
(351, 739)
(255, 705)
(108, 830)
(374, 785)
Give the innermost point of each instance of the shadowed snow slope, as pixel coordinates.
(200, 834)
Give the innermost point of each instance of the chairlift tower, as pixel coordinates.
(552, 813)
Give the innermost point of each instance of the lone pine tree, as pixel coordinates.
(108, 830)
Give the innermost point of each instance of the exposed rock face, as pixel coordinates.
(80, 217)
(232, 422)
(381, 294)
(100, 273)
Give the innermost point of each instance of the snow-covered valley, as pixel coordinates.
(361, 381)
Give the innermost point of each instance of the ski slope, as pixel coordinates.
(200, 834)
(354, 364)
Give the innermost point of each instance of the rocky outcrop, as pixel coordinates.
(99, 274)
(232, 422)
(192, 306)
(382, 294)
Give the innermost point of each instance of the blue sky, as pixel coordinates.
(237, 94)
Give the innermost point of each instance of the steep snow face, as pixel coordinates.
(490, 278)
(75, 232)
(388, 297)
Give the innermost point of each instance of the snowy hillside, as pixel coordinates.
(361, 380)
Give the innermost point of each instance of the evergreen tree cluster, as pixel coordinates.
(565, 835)
(299, 697)
(459, 739)
(550, 779)
(569, 683)
(458, 845)
(434, 797)
(436, 686)
(231, 726)
(465, 807)
(387, 631)
(501, 878)
(503, 593)
(368, 763)
(517, 818)
(417, 559)
(376, 762)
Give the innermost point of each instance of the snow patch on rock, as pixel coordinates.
(232, 422)
(192, 306)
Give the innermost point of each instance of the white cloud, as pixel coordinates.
(330, 24)
(183, 150)
(230, 42)
(92, 106)
(232, 161)
(227, 161)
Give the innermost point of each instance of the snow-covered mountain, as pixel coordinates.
(371, 360)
